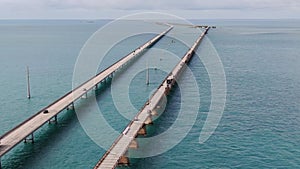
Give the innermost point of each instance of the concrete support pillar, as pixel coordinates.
(71, 107)
(149, 120)
(96, 87)
(84, 96)
(143, 131)
(154, 113)
(134, 144)
(30, 139)
(54, 120)
(167, 90)
(124, 161)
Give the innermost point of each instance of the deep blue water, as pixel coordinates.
(259, 127)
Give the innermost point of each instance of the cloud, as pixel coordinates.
(48, 8)
(171, 4)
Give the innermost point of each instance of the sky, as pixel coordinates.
(111, 9)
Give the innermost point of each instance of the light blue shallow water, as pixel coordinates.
(259, 128)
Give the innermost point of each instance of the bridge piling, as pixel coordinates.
(134, 144)
(143, 130)
(124, 161)
(54, 120)
(71, 107)
(31, 139)
(84, 96)
(28, 83)
(149, 121)
(96, 87)
(154, 112)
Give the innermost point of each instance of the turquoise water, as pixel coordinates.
(259, 128)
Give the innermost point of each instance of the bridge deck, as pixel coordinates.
(118, 149)
(26, 128)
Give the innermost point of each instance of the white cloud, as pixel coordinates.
(87, 8)
(173, 4)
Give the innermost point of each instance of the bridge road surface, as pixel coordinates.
(29, 126)
(112, 157)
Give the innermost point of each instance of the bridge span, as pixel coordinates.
(116, 154)
(25, 130)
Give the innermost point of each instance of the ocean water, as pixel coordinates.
(259, 127)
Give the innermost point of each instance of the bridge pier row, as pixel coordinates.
(31, 139)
